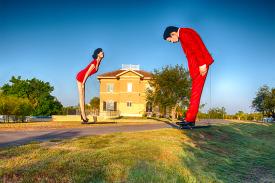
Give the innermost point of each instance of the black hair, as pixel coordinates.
(96, 52)
(168, 31)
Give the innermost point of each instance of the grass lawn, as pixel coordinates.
(235, 152)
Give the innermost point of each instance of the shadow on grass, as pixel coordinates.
(232, 153)
(171, 124)
(165, 121)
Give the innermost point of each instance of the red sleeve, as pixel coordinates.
(200, 58)
(203, 56)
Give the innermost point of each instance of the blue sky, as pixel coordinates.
(53, 40)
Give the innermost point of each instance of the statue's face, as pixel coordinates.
(173, 37)
(101, 54)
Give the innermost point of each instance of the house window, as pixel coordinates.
(115, 106)
(110, 87)
(109, 106)
(129, 104)
(104, 106)
(129, 87)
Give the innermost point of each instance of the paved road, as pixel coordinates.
(11, 138)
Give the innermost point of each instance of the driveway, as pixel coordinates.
(11, 138)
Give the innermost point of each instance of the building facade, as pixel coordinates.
(122, 92)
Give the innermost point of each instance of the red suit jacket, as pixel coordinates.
(195, 51)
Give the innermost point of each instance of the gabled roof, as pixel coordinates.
(117, 73)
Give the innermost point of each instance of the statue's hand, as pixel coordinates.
(203, 70)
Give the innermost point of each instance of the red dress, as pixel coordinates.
(80, 76)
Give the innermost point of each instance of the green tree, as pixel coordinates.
(11, 105)
(269, 103)
(37, 92)
(47, 105)
(217, 113)
(7, 104)
(264, 101)
(70, 110)
(169, 88)
(94, 103)
(23, 108)
(240, 115)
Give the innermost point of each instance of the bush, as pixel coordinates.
(20, 107)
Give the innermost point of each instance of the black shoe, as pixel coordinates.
(84, 121)
(191, 123)
(182, 119)
(185, 123)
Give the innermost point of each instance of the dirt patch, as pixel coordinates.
(259, 174)
(11, 178)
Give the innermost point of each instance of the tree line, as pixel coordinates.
(169, 94)
(92, 107)
(169, 90)
(32, 97)
(264, 101)
(28, 97)
(220, 113)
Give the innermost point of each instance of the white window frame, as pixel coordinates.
(129, 87)
(110, 87)
(110, 105)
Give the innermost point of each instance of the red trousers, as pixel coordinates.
(196, 91)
